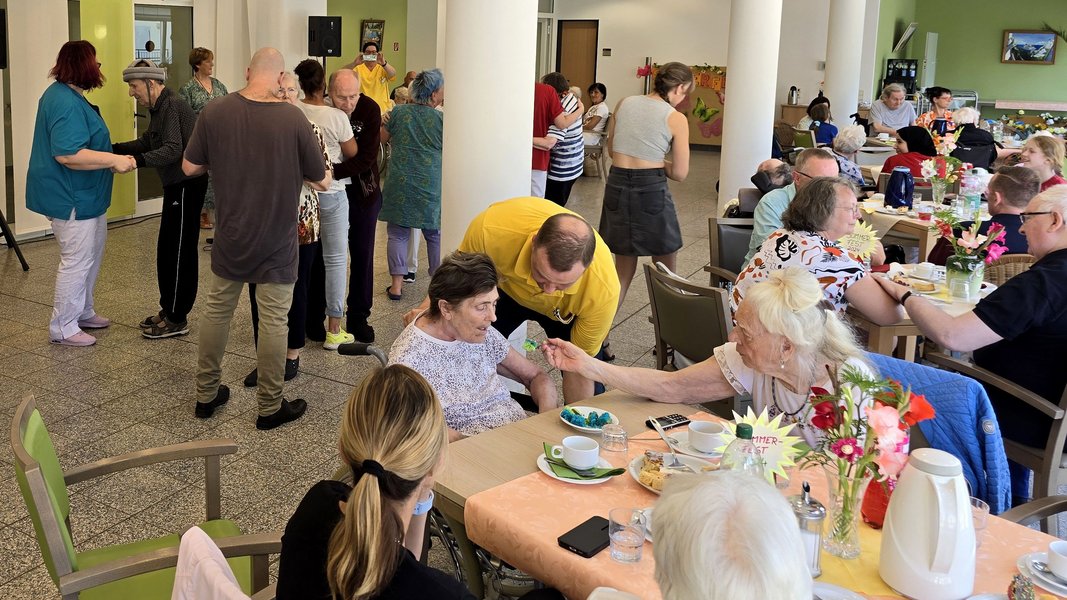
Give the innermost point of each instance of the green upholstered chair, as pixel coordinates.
(143, 569)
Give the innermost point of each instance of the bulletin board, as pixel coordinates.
(704, 106)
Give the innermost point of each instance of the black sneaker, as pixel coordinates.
(165, 329)
(362, 331)
(410, 277)
(290, 410)
(292, 367)
(152, 321)
(205, 409)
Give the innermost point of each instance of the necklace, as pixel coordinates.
(208, 87)
(774, 399)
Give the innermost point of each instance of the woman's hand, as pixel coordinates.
(565, 356)
(895, 290)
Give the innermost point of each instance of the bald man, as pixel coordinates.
(260, 150)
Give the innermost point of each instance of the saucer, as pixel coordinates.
(685, 447)
(547, 470)
(1043, 580)
(698, 465)
(584, 411)
(829, 591)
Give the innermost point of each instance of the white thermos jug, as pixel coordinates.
(928, 550)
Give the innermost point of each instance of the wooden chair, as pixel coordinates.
(1049, 463)
(596, 152)
(1006, 267)
(804, 138)
(1036, 510)
(783, 135)
(689, 319)
(142, 569)
(728, 240)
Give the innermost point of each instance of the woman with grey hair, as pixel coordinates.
(891, 111)
(973, 145)
(411, 193)
(848, 141)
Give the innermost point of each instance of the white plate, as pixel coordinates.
(1040, 579)
(696, 464)
(829, 591)
(685, 447)
(892, 211)
(547, 470)
(584, 411)
(989, 597)
(648, 522)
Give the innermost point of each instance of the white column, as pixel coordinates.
(490, 45)
(844, 49)
(751, 74)
(37, 30)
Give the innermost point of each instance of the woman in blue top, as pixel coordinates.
(411, 193)
(69, 181)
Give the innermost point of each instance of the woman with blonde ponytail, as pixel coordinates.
(364, 541)
(786, 339)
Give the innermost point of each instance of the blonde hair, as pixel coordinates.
(392, 434)
(790, 303)
(1051, 147)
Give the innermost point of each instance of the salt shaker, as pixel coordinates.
(810, 516)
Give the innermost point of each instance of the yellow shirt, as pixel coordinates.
(505, 232)
(374, 83)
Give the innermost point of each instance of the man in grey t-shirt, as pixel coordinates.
(259, 150)
(891, 112)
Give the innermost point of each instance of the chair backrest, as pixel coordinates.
(728, 240)
(804, 138)
(783, 134)
(40, 480)
(747, 199)
(1007, 266)
(689, 319)
(603, 134)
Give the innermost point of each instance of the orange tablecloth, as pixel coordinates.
(519, 521)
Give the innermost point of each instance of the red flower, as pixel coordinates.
(944, 229)
(819, 392)
(825, 415)
(918, 410)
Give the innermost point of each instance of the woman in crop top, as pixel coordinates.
(638, 217)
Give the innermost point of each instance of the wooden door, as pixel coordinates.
(576, 49)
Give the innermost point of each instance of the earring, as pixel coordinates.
(782, 364)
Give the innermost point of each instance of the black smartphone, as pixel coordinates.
(588, 538)
(668, 421)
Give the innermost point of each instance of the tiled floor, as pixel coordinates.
(128, 393)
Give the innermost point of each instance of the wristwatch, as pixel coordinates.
(905, 297)
(424, 506)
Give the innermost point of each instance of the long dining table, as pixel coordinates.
(492, 488)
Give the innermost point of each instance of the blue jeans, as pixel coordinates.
(333, 233)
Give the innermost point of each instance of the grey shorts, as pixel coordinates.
(638, 216)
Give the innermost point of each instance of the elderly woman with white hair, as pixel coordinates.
(848, 141)
(786, 340)
(973, 145)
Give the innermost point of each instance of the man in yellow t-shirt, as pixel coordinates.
(554, 269)
(374, 74)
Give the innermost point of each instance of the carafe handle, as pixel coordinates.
(948, 527)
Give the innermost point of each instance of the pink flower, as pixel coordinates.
(970, 239)
(890, 464)
(847, 448)
(994, 252)
(885, 422)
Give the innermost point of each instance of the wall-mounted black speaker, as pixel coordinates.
(324, 36)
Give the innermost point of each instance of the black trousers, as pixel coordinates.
(298, 310)
(559, 191)
(177, 247)
(362, 225)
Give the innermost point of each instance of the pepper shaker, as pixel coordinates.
(810, 516)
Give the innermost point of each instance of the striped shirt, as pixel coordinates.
(568, 154)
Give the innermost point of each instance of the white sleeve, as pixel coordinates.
(339, 121)
(602, 110)
(733, 368)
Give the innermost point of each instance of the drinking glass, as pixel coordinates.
(626, 530)
(613, 438)
(980, 512)
(959, 289)
(924, 211)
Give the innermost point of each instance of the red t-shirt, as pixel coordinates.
(546, 109)
(1051, 181)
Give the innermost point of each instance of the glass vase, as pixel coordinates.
(963, 276)
(939, 189)
(846, 489)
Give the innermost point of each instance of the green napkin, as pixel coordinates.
(561, 469)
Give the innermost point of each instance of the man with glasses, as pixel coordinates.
(811, 163)
(554, 269)
(1019, 331)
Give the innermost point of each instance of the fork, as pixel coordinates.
(675, 463)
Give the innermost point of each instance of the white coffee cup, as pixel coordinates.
(706, 436)
(924, 270)
(883, 136)
(579, 452)
(1057, 558)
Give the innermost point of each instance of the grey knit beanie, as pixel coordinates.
(142, 68)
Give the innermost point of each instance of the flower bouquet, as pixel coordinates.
(865, 425)
(964, 270)
(944, 170)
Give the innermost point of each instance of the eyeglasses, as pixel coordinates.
(565, 320)
(799, 172)
(1026, 216)
(854, 209)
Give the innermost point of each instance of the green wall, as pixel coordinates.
(352, 12)
(893, 18)
(970, 36)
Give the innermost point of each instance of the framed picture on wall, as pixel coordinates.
(1028, 47)
(371, 30)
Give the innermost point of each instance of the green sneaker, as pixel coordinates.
(333, 340)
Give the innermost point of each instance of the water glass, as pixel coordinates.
(980, 512)
(925, 212)
(613, 438)
(959, 288)
(626, 530)
(916, 199)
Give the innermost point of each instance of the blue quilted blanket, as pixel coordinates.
(965, 425)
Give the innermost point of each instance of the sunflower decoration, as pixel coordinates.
(861, 242)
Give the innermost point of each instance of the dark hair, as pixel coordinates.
(1017, 184)
(670, 76)
(600, 87)
(781, 175)
(563, 244)
(814, 204)
(311, 76)
(934, 92)
(918, 140)
(76, 65)
(461, 275)
(820, 112)
(816, 101)
(198, 55)
(370, 43)
(557, 81)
